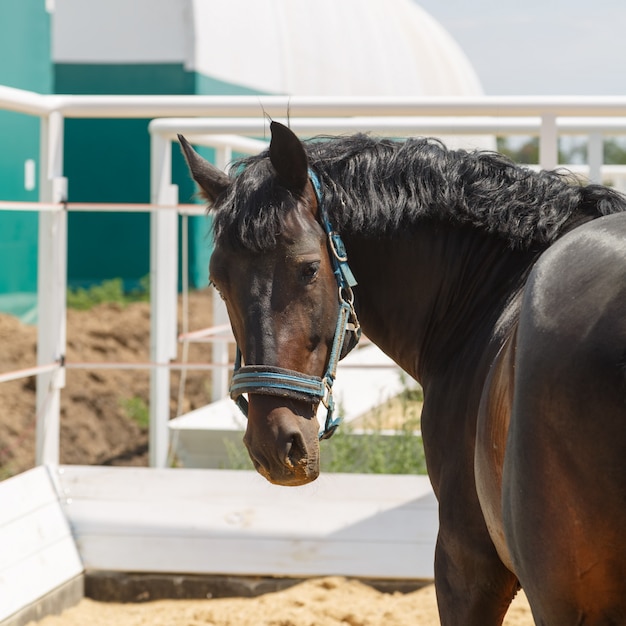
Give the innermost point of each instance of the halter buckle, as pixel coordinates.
(326, 399)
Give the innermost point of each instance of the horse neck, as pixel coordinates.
(428, 296)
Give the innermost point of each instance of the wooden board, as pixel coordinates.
(37, 550)
(230, 522)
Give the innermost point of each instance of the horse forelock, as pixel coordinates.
(380, 186)
(251, 214)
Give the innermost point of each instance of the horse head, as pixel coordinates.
(272, 266)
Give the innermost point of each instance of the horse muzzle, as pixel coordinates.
(282, 440)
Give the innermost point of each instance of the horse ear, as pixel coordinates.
(212, 181)
(288, 157)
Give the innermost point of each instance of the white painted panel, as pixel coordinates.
(360, 389)
(219, 521)
(36, 575)
(24, 493)
(254, 556)
(349, 520)
(21, 538)
(132, 483)
(208, 447)
(37, 550)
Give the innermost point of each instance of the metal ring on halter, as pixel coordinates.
(337, 247)
(348, 291)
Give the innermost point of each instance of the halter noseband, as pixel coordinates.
(277, 381)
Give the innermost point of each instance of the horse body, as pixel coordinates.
(567, 430)
(513, 320)
(447, 338)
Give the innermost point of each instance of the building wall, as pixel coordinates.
(109, 160)
(215, 47)
(25, 54)
(121, 47)
(89, 47)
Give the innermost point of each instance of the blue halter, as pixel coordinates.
(277, 381)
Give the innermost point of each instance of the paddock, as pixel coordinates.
(61, 525)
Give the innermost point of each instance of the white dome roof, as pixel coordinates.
(329, 47)
(296, 47)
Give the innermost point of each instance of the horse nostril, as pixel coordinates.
(296, 451)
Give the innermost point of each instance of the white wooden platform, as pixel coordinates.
(58, 522)
(365, 379)
(231, 522)
(37, 550)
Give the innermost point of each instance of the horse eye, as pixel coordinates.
(309, 271)
(219, 293)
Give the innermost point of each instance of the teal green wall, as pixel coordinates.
(212, 87)
(109, 160)
(25, 45)
(105, 160)
(24, 64)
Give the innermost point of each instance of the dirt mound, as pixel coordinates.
(103, 412)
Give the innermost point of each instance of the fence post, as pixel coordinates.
(163, 294)
(595, 156)
(51, 290)
(548, 143)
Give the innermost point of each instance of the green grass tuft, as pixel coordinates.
(136, 410)
(107, 291)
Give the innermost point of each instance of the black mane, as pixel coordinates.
(379, 186)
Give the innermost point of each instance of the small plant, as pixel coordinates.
(107, 291)
(136, 410)
(85, 299)
(375, 452)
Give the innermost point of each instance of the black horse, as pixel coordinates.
(502, 291)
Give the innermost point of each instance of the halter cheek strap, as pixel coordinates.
(277, 381)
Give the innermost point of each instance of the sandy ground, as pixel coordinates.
(318, 602)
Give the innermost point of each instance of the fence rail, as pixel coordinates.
(29, 371)
(101, 207)
(227, 125)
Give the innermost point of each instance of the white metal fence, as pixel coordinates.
(228, 123)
